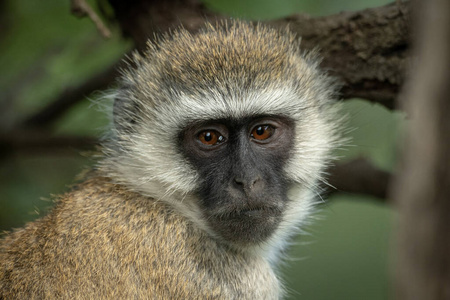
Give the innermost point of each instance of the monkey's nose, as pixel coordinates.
(246, 183)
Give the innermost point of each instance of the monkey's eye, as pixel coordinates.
(211, 137)
(262, 132)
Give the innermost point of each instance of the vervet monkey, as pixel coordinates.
(218, 144)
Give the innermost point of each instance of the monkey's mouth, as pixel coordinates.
(254, 212)
(247, 225)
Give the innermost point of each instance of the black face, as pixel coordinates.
(243, 188)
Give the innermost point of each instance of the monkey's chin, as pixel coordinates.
(246, 227)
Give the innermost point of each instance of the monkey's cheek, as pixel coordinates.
(247, 227)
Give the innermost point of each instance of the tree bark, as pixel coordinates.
(367, 49)
(422, 191)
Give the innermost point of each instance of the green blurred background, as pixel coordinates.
(44, 49)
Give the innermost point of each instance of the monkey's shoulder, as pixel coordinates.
(99, 212)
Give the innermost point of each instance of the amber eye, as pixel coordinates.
(210, 137)
(262, 132)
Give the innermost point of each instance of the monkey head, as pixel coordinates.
(232, 127)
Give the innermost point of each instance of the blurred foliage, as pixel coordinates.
(44, 49)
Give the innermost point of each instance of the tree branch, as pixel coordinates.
(30, 141)
(359, 176)
(70, 96)
(81, 9)
(367, 49)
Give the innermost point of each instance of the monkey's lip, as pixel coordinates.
(253, 212)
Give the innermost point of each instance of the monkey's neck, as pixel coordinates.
(169, 242)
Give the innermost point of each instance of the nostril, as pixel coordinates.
(254, 182)
(239, 181)
(243, 183)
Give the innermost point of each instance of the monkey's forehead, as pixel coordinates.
(227, 54)
(236, 54)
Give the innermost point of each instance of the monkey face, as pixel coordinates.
(240, 161)
(232, 127)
